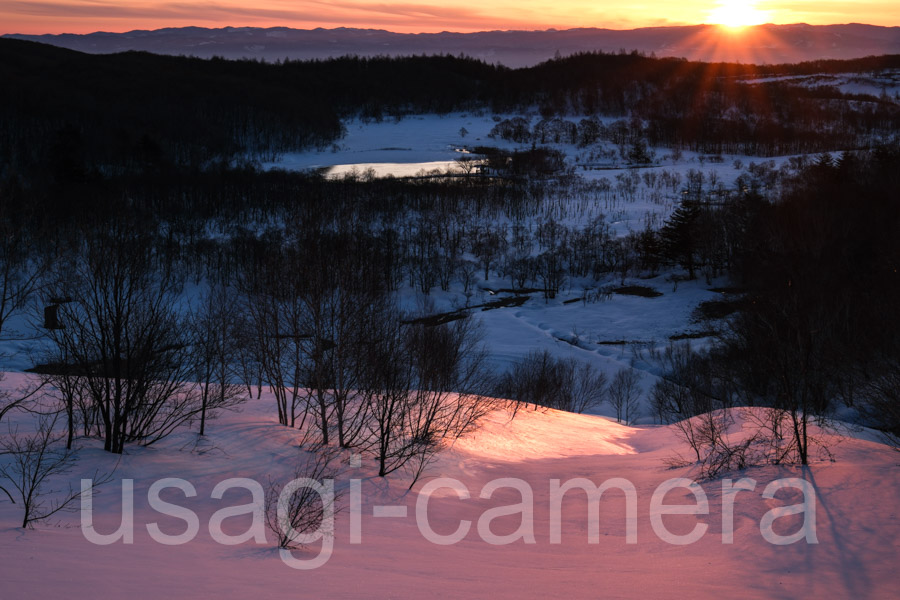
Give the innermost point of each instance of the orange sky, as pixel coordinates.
(85, 16)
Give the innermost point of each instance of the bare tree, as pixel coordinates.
(589, 389)
(538, 379)
(467, 272)
(345, 336)
(20, 274)
(277, 324)
(422, 387)
(323, 316)
(488, 245)
(214, 329)
(72, 392)
(447, 396)
(466, 163)
(122, 337)
(624, 394)
(249, 350)
(789, 361)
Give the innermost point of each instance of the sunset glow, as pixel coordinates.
(84, 16)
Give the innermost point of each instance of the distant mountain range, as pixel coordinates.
(760, 44)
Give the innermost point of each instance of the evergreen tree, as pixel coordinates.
(679, 236)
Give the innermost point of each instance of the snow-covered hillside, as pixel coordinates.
(856, 525)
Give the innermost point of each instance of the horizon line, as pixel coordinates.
(547, 30)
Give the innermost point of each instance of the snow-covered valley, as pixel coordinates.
(509, 509)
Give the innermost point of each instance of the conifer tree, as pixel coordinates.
(679, 236)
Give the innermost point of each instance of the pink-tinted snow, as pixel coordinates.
(858, 526)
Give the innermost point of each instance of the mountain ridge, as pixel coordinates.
(515, 48)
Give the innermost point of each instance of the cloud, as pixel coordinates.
(834, 11)
(313, 11)
(409, 16)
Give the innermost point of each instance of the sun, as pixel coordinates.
(735, 14)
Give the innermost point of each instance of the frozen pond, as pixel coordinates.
(384, 169)
(400, 148)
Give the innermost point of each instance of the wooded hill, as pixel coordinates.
(65, 115)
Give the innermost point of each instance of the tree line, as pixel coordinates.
(67, 117)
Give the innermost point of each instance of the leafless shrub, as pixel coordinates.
(696, 398)
(777, 435)
(880, 404)
(35, 462)
(563, 384)
(295, 512)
